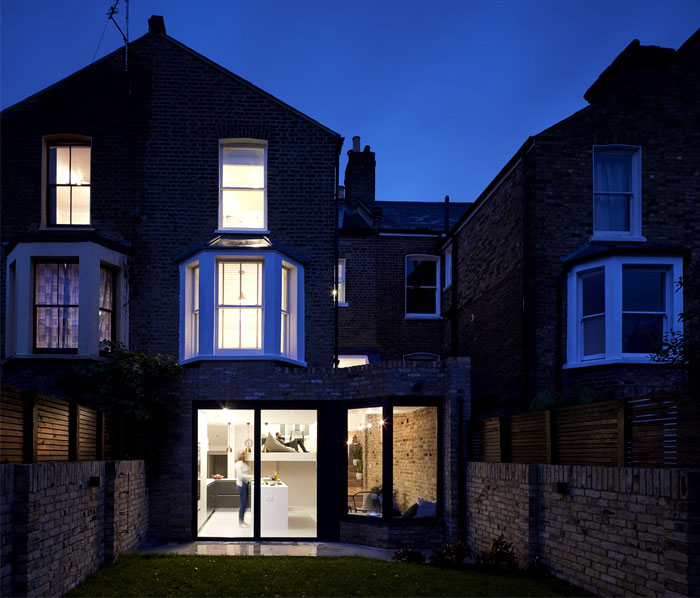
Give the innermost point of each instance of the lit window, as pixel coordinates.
(284, 324)
(341, 283)
(56, 306)
(621, 308)
(349, 361)
(239, 305)
(243, 186)
(422, 284)
(410, 488)
(69, 185)
(106, 304)
(617, 209)
(415, 470)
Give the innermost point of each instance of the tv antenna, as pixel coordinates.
(113, 10)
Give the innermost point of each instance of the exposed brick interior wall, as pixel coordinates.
(372, 451)
(61, 528)
(415, 456)
(612, 530)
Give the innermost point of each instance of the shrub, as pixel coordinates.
(499, 556)
(409, 555)
(450, 556)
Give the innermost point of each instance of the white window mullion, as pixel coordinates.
(613, 308)
(272, 294)
(207, 303)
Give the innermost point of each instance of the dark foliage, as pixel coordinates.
(499, 556)
(450, 556)
(409, 555)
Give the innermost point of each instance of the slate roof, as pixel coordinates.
(418, 215)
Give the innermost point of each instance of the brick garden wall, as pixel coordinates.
(614, 530)
(57, 529)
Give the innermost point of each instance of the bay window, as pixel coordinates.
(65, 299)
(620, 308)
(241, 305)
(617, 203)
(422, 286)
(242, 201)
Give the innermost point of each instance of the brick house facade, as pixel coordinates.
(235, 275)
(179, 209)
(526, 247)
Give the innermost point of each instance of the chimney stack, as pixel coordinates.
(156, 24)
(359, 176)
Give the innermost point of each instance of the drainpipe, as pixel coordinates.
(336, 239)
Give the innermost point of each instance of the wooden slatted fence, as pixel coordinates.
(39, 428)
(659, 430)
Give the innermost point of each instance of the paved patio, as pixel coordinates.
(223, 548)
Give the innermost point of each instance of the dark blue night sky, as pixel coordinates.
(445, 92)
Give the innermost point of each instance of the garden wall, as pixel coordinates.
(612, 530)
(61, 521)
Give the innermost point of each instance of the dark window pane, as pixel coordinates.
(643, 290)
(420, 301)
(105, 325)
(593, 293)
(613, 171)
(421, 273)
(612, 212)
(641, 333)
(594, 336)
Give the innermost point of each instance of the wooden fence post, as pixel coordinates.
(621, 434)
(74, 432)
(99, 435)
(548, 422)
(29, 436)
(504, 438)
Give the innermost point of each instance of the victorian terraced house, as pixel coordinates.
(176, 207)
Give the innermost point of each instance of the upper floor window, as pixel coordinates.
(340, 290)
(243, 174)
(617, 201)
(68, 192)
(620, 308)
(422, 286)
(56, 290)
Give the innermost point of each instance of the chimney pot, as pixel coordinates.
(156, 24)
(356, 143)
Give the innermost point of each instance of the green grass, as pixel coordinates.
(188, 575)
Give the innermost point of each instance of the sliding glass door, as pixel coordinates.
(227, 448)
(288, 491)
(225, 469)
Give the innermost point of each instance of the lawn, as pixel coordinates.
(188, 575)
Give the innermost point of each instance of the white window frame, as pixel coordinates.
(243, 143)
(206, 343)
(635, 215)
(342, 284)
(90, 256)
(424, 257)
(613, 268)
(447, 260)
